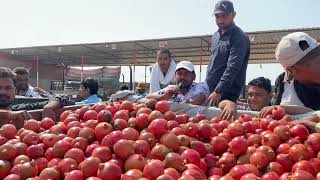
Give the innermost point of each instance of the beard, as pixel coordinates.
(184, 85)
(4, 101)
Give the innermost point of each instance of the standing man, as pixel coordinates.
(162, 72)
(226, 72)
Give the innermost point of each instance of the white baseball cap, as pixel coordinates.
(293, 47)
(185, 65)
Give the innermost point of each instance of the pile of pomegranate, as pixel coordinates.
(131, 141)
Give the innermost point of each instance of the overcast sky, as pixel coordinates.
(44, 22)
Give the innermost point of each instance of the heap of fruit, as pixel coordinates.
(147, 141)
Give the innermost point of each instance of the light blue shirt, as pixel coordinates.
(90, 100)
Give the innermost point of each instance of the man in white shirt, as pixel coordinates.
(22, 85)
(289, 95)
(185, 90)
(162, 72)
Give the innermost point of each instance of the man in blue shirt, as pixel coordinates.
(88, 92)
(226, 72)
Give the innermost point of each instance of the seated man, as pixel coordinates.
(13, 114)
(185, 90)
(141, 89)
(87, 92)
(259, 96)
(123, 87)
(299, 53)
(23, 87)
(291, 92)
(17, 114)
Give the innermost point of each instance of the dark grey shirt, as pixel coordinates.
(226, 72)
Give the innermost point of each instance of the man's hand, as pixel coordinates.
(48, 112)
(170, 92)
(214, 99)
(266, 111)
(39, 90)
(18, 118)
(229, 110)
(48, 109)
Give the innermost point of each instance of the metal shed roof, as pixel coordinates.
(143, 52)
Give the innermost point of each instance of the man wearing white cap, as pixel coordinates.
(299, 53)
(185, 90)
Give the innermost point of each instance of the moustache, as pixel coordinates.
(4, 96)
(183, 85)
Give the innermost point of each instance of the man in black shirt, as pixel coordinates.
(226, 72)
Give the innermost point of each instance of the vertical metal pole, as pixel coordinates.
(81, 68)
(130, 77)
(145, 74)
(201, 52)
(37, 71)
(134, 66)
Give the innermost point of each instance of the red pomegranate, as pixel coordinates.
(8, 131)
(299, 152)
(300, 131)
(304, 165)
(219, 145)
(282, 131)
(170, 140)
(174, 160)
(191, 156)
(112, 138)
(132, 174)
(50, 173)
(7, 151)
(66, 165)
(5, 167)
(301, 175)
(238, 145)
(123, 148)
(272, 140)
(313, 141)
(153, 169)
(74, 175)
(235, 129)
(109, 171)
(162, 106)
(103, 153)
(259, 159)
(25, 170)
(135, 161)
(169, 115)
(159, 151)
(35, 151)
(89, 166)
(158, 127)
(254, 139)
(285, 161)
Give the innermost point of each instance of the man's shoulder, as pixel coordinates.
(239, 33)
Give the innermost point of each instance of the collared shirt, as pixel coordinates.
(91, 99)
(29, 93)
(195, 89)
(226, 72)
(289, 95)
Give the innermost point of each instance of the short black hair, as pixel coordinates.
(92, 84)
(21, 71)
(165, 51)
(6, 73)
(262, 82)
(123, 87)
